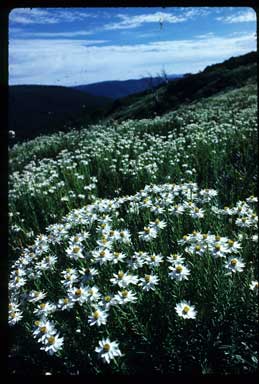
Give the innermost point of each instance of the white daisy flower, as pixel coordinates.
(53, 344)
(148, 234)
(154, 260)
(14, 316)
(65, 303)
(75, 252)
(185, 310)
(43, 328)
(148, 282)
(124, 297)
(98, 317)
(78, 295)
(108, 350)
(175, 258)
(234, 264)
(179, 272)
(35, 296)
(44, 309)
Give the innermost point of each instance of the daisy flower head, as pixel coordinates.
(108, 350)
(148, 234)
(154, 260)
(78, 294)
(234, 264)
(124, 297)
(179, 272)
(158, 224)
(75, 252)
(148, 282)
(65, 303)
(175, 258)
(185, 310)
(35, 296)
(53, 344)
(98, 317)
(14, 316)
(43, 328)
(44, 309)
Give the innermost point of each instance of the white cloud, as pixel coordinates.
(240, 17)
(128, 22)
(46, 15)
(59, 34)
(70, 62)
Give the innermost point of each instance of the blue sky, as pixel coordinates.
(72, 46)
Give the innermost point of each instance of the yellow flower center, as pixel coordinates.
(51, 339)
(146, 200)
(217, 238)
(196, 210)
(107, 298)
(225, 208)
(76, 239)
(147, 278)
(217, 247)
(106, 347)
(179, 269)
(103, 225)
(205, 236)
(78, 292)
(153, 257)
(116, 254)
(230, 243)
(122, 234)
(43, 329)
(111, 233)
(197, 248)
(104, 241)
(185, 237)
(157, 221)
(90, 291)
(65, 301)
(186, 309)
(146, 229)
(42, 305)
(233, 262)
(37, 323)
(120, 274)
(243, 219)
(102, 253)
(96, 315)
(124, 293)
(76, 249)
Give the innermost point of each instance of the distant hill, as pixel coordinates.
(232, 73)
(121, 88)
(36, 109)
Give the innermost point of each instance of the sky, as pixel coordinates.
(74, 46)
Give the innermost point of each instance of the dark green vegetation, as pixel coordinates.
(40, 109)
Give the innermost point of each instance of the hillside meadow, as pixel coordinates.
(133, 244)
